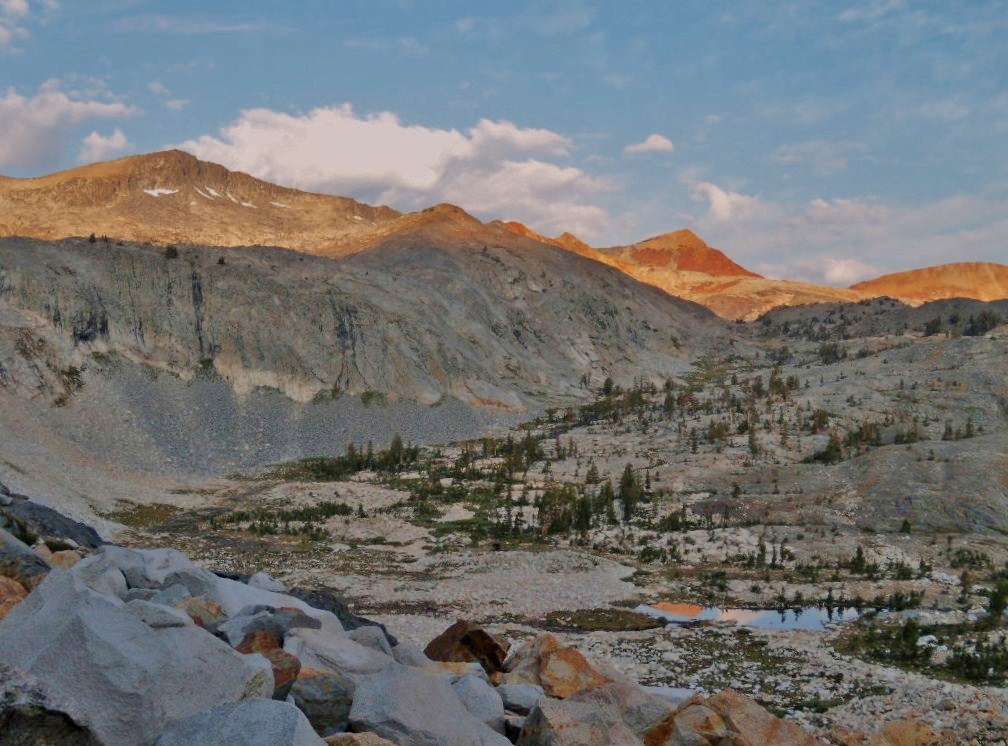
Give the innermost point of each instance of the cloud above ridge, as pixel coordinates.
(495, 169)
(38, 128)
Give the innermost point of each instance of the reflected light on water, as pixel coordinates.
(809, 618)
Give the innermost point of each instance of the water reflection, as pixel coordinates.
(808, 618)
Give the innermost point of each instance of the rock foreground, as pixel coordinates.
(145, 647)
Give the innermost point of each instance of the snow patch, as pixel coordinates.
(201, 193)
(214, 192)
(280, 204)
(357, 217)
(231, 198)
(248, 204)
(158, 191)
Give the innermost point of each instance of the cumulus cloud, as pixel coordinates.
(841, 241)
(495, 169)
(95, 147)
(37, 129)
(652, 144)
(725, 206)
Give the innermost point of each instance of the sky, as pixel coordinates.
(824, 141)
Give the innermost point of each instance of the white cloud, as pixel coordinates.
(847, 271)
(652, 144)
(176, 104)
(13, 14)
(844, 240)
(725, 206)
(95, 147)
(14, 8)
(157, 88)
(37, 129)
(495, 169)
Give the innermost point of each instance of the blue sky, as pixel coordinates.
(828, 141)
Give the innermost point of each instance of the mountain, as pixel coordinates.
(211, 358)
(682, 251)
(682, 264)
(978, 280)
(172, 197)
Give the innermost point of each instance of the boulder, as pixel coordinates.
(357, 739)
(160, 569)
(465, 641)
(285, 671)
(31, 520)
(371, 637)
(258, 641)
(694, 724)
(205, 612)
(316, 649)
(410, 655)
(19, 562)
(413, 708)
(171, 595)
(65, 558)
(266, 619)
(755, 724)
(556, 722)
(482, 700)
(156, 615)
(324, 698)
(265, 582)
(620, 711)
(911, 733)
(250, 722)
(457, 670)
(11, 594)
(28, 716)
(112, 673)
(561, 671)
(327, 601)
(520, 698)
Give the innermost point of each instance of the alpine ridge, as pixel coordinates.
(172, 197)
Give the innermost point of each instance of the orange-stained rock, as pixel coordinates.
(755, 724)
(11, 594)
(205, 612)
(258, 641)
(694, 724)
(65, 558)
(286, 668)
(559, 670)
(465, 641)
(911, 733)
(980, 280)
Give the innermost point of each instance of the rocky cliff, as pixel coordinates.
(187, 357)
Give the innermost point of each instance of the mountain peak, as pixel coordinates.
(684, 251)
(173, 197)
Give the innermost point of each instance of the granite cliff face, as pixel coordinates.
(214, 359)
